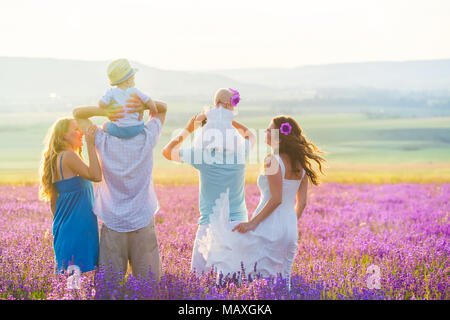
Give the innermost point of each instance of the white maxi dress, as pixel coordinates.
(269, 249)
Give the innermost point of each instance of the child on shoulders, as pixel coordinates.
(121, 76)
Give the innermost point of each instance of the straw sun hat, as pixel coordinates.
(119, 71)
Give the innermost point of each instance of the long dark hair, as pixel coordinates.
(299, 149)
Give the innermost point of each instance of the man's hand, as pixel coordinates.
(200, 117)
(114, 112)
(135, 104)
(195, 122)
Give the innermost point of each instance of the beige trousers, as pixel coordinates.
(139, 247)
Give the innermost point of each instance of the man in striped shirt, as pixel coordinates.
(125, 200)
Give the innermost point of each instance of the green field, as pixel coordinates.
(359, 148)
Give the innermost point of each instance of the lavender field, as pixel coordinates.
(402, 229)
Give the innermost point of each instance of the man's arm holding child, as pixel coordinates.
(82, 114)
(245, 132)
(137, 105)
(152, 107)
(172, 150)
(102, 104)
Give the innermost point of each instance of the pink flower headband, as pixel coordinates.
(285, 128)
(235, 98)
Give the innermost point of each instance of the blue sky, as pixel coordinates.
(202, 34)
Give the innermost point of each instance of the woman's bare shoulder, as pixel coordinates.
(70, 157)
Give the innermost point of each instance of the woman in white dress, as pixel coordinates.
(267, 243)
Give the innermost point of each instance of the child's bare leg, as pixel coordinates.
(104, 127)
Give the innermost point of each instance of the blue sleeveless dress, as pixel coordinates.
(75, 226)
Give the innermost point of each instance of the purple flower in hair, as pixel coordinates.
(235, 98)
(285, 128)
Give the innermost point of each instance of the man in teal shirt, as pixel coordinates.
(218, 171)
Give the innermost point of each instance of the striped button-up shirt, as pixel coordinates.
(125, 199)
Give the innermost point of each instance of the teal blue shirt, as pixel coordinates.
(217, 172)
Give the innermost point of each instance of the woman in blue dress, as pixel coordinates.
(66, 182)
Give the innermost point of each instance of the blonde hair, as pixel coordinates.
(54, 143)
(222, 95)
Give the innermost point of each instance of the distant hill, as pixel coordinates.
(409, 75)
(22, 78)
(28, 84)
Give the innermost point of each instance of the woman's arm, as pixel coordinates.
(245, 132)
(276, 195)
(172, 150)
(92, 172)
(301, 197)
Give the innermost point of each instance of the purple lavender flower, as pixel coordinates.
(402, 228)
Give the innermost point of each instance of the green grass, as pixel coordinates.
(350, 140)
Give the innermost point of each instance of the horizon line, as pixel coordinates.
(234, 69)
